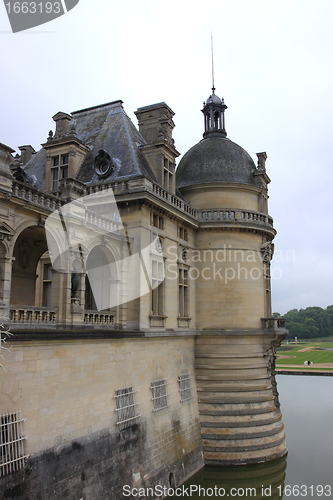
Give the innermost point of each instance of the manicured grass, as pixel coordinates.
(295, 357)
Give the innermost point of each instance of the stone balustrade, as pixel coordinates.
(275, 323)
(102, 222)
(141, 184)
(35, 197)
(32, 314)
(233, 215)
(99, 318)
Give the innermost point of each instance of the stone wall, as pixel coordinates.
(65, 390)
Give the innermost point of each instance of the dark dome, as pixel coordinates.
(213, 99)
(215, 159)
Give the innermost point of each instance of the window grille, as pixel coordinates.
(126, 407)
(185, 387)
(160, 395)
(12, 456)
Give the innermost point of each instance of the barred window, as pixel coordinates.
(185, 387)
(159, 393)
(12, 456)
(126, 407)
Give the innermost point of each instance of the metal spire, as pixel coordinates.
(213, 86)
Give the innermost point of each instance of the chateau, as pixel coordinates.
(138, 299)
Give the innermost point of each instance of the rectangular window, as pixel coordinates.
(126, 408)
(55, 178)
(158, 221)
(183, 234)
(185, 387)
(157, 275)
(159, 394)
(47, 282)
(12, 456)
(64, 159)
(168, 172)
(59, 170)
(64, 172)
(183, 293)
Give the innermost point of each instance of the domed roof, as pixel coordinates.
(215, 159)
(213, 99)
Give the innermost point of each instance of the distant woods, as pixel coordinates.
(311, 322)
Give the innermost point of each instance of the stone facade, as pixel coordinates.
(134, 374)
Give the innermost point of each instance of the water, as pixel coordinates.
(307, 408)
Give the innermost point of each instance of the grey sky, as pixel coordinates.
(273, 66)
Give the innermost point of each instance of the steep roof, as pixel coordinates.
(106, 127)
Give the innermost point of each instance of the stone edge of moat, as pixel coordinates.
(303, 372)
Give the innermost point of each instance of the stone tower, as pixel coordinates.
(236, 341)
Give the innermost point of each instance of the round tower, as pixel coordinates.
(237, 338)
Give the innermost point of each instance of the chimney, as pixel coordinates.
(26, 153)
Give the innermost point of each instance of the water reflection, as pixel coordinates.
(258, 481)
(307, 409)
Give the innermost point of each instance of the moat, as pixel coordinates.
(306, 472)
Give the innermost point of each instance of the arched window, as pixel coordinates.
(216, 119)
(100, 280)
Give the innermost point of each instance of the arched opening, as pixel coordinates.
(100, 280)
(30, 246)
(172, 480)
(217, 120)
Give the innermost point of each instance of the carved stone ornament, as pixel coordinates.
(24, 254)
(184, 255)
(267, 250)
(158, 245)
(103, 164)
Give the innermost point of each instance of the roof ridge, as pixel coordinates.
(112, 103)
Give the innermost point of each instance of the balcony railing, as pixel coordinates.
(275, 323)
(32, 315)
(99, 318)
(234, 215)
(35, 197)
(141, 184)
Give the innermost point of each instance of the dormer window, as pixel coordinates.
(168, 172)
(59, 170)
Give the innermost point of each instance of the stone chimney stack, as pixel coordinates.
(156, 126)
(6, 159)
(26, 153)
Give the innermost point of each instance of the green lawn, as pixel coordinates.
(295, 357)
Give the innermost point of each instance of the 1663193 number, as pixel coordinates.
(33, 7)
(303, 490)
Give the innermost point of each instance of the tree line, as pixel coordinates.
(311, 322)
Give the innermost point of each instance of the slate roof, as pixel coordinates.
(213, 160)
(104, 127)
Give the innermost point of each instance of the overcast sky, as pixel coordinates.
(273, 66)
